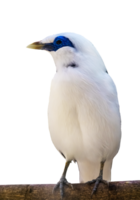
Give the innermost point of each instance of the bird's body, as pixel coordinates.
(83, 113)
(84, 119)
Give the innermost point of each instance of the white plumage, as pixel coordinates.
(83, 112)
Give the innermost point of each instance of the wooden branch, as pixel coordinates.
(127, 190)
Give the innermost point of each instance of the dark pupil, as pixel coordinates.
(58, 42)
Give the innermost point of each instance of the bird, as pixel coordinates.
(83, 112)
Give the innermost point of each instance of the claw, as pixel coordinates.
(63, 181)
(98, 179)
(97, 182)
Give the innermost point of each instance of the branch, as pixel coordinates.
(126, 190)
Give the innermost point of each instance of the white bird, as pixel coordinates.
(83, 112)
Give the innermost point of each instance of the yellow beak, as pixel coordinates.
(36, 45)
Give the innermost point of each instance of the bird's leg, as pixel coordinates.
(99, 179)
(63, 181)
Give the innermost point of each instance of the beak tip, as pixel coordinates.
(35, 45)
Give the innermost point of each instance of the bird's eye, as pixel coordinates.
(58, 42)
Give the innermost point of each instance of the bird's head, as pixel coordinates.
(67, 49)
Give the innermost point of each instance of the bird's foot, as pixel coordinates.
(60, 185)
(97, 181)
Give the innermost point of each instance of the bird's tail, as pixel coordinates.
(90, 170)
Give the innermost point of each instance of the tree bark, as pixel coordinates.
(126, 190)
